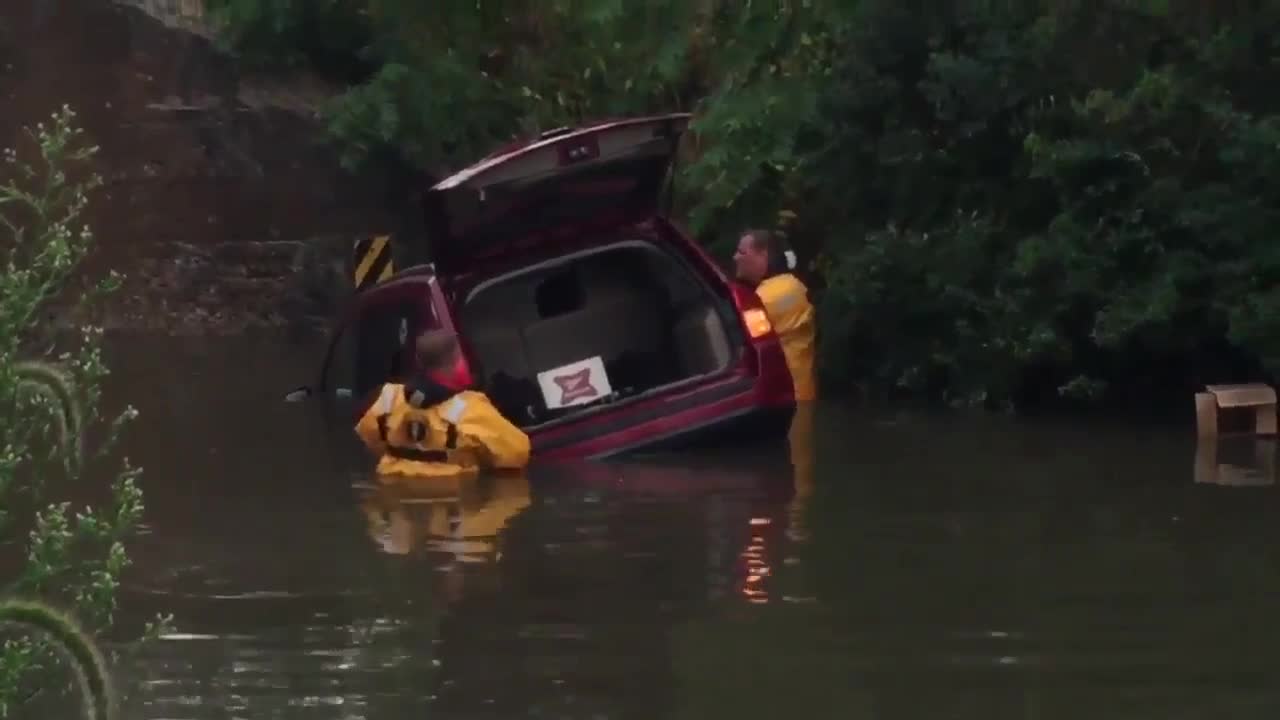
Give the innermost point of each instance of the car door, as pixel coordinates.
(384, 344)
(373, 342)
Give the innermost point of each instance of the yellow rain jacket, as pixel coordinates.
(786, 301)
(430, 431)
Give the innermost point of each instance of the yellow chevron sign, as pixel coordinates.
(372, 261)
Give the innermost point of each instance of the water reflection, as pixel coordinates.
(543, 595)
(1236, 461)
(456, 517)
(892, 567)
(590, 577)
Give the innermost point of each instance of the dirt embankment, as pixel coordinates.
(222, 204)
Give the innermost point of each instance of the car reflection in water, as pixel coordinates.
(563, 586)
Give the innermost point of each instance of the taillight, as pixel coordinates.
(752, 311)
(757, 322)
(461, 373)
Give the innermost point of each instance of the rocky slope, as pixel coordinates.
(222, 205)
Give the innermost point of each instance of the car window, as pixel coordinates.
(376, 346)
(383, 336)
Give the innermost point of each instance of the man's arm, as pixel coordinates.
(507, 446)
(370, 427)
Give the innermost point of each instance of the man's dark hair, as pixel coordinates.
(773, 246)
(435, 349)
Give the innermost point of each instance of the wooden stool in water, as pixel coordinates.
(1262, 398)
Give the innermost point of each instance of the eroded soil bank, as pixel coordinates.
(222, 204)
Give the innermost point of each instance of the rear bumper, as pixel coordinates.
(756, 428)
(729, 413)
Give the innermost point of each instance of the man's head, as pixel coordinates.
(759, 255)
(436, 350)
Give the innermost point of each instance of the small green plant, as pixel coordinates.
(86, 659)
(50, 378)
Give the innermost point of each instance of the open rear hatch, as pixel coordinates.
(592, 328)
(616, 319)
(566, 182)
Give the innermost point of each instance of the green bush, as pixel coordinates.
(1067, 201)
(49, 394)
(86, 659)
(1002, 203)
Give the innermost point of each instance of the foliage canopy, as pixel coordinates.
(1003, 202)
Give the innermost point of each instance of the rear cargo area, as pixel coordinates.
(645, 315)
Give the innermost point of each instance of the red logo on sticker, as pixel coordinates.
(576, 386)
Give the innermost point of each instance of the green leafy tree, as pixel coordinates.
(50, 383)
(440, 83)
(1002, 203)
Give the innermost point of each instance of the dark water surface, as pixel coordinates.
(913, 567)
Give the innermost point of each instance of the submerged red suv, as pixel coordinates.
(588, 318)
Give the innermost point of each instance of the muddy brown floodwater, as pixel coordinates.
(918, 567)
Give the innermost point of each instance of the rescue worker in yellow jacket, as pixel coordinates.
(764, 263)
(433, 427)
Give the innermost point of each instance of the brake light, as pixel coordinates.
(750, 307)
(757, 322)
(459, 376)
